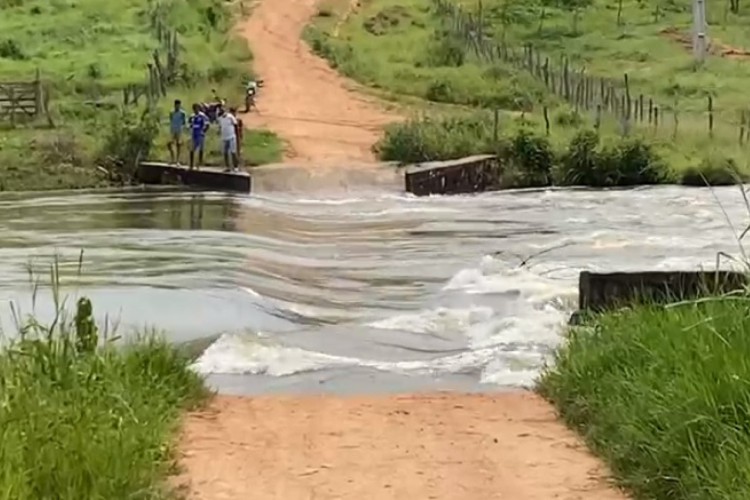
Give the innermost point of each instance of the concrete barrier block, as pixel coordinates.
(466, 175)
(599, 292)
(205, 177)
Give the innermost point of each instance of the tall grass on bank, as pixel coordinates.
(83, 418)
(663, 394)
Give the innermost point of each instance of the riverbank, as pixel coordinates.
(84, 419)
(414, 49)
(85, 73)
(662, 396)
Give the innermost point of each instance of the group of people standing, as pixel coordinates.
(230, 131)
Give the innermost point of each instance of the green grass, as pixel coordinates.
(663, 395)
(401, 48)
(87, 52)
(81, 417)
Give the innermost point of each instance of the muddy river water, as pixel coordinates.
(355, 290)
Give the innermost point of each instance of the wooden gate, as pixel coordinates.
(20, 101)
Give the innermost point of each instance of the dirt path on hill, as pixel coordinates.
(716, 47)
(415, 447)
(313, 108)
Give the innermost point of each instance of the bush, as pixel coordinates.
(627, 162)
(128, 140)
(10, 49)
(568, 117)
(664, 396)
(713, 170)
(445, 50)
(424, 139)
(528, 159)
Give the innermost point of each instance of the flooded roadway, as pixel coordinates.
(364, 289)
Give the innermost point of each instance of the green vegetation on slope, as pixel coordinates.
(412, 48)
(82, 418)
(664, 396)
(87, 52)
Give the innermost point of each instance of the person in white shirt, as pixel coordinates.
(228, 132)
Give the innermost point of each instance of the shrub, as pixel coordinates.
(634, 162)
(627, 162)
(528, 159)
(713, 170)
(424, 139)
(579, 161)
(10, 49)
(445, 49)
(568, 117)
(129, 139)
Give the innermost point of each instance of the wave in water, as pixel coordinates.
(508, 326)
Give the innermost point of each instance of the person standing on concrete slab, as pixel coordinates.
(177, 123)
(228, 133)
(198, 127)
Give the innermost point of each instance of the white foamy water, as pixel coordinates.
(361, 291)
(505, 345)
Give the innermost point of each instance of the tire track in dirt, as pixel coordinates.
(313, 108)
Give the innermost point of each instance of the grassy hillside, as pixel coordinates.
(87, 51)
(409, 47)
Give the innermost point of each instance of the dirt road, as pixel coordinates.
(306, 102)
(414, 447)
(438, 446)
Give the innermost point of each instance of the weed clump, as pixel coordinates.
(715, 169)
(626, 162)
(128, 140)
(528, 159)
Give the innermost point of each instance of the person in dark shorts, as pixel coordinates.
(198, 127)
(177, 123)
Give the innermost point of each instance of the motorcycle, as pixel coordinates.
(251, 94)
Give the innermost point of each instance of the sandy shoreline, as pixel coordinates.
(425, 446)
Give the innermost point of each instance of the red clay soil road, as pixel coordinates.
(311, 106)
(419, 447)
(416, 447)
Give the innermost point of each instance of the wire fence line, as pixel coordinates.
(597, 96)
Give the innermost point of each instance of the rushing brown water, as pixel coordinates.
(366, 289)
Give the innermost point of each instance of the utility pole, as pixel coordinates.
(700, 35)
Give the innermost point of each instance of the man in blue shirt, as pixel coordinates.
(198, 128)
(177, 122)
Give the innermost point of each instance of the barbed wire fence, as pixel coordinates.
(599, 97)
